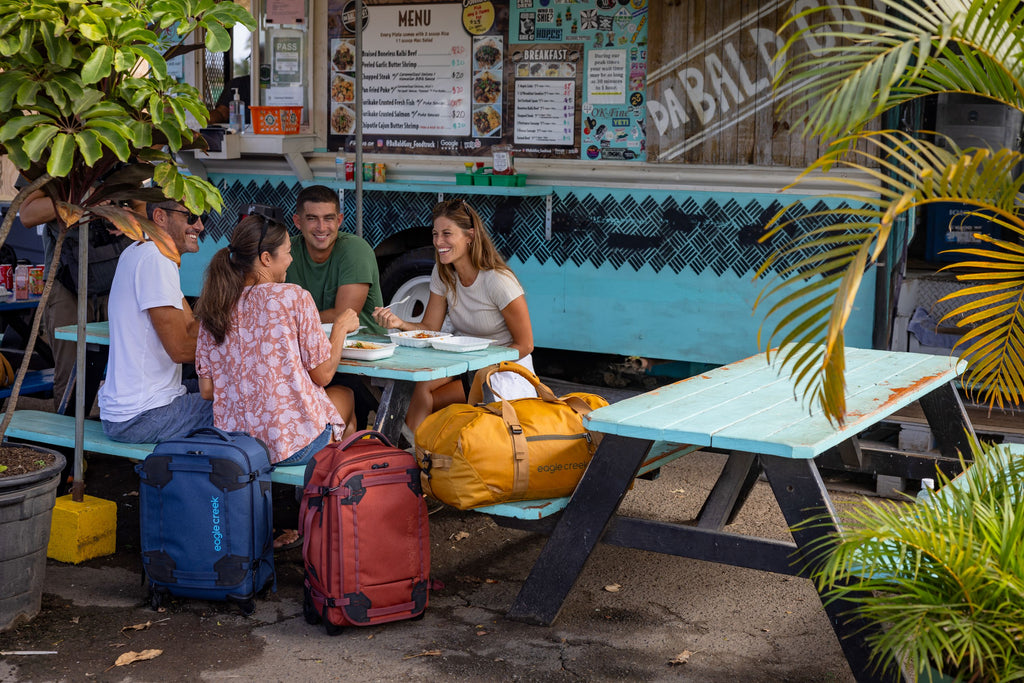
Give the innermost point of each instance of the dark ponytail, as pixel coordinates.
(229, 269)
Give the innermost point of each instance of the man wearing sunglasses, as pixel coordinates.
(152, 332)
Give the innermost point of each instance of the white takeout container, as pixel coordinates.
(461, 344)
(377, 352)
(416, 338)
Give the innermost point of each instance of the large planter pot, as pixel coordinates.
(26, 508)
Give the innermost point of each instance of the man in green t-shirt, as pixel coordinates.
(338, 268)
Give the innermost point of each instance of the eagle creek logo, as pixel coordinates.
(218, 537)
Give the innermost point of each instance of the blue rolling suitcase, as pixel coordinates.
(206, 518)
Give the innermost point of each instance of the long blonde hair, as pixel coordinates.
(482, 252)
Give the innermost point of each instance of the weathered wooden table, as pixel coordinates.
(747, 409)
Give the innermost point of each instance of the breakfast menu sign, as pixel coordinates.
(551, 77)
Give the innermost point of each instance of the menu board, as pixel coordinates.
(459, 77)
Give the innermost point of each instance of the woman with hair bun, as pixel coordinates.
(262, 355)
(473, 286)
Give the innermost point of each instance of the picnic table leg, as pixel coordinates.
(801, 494)
(730, 491)
(580, 527)
(394, 404)
(948, 421)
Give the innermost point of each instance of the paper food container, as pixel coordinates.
(417, 338)
(460, 344)
(361, 350)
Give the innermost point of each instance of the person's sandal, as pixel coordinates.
(281, 544)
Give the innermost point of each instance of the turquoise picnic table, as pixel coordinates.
(397, 374)
(748, 410)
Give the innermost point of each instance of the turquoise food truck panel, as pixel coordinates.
(657, 273)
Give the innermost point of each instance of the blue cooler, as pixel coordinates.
(950, 226)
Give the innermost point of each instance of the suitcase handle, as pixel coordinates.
(358, 436)
(215, 431)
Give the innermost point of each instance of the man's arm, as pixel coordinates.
(177, 330)
(348, 296)
(36, 210)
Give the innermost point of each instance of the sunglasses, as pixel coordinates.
(263, 235)
(192, 218)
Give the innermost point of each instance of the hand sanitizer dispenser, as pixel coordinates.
(236, 113)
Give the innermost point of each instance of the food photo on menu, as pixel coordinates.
(343, 120)
(343, 56)
(487, 54)
(486, 88)
(486, 121)
(343, 88)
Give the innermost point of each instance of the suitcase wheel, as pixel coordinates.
(308, 610)
(247, 607)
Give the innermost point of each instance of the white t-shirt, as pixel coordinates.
(140, 374)
(476, 310)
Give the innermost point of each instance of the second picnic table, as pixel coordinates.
(749, 410)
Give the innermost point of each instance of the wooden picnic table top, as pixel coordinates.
(749, 406)
(407, 364)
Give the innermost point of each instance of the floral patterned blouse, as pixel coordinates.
(261, 382)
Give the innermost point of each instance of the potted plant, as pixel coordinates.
(945, 575)
(90, 116)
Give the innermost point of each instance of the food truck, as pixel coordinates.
(647, 148)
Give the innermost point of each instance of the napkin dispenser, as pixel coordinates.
(221, 143)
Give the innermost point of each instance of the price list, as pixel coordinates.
(416, 72)
(545, 112)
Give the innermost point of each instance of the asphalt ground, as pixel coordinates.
(632, 615)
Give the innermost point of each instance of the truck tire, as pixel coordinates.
(408, 275)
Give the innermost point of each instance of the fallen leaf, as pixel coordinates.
(137, 627)
(481, 633)
(460, 536)
(678, 491)
(490, 581)
(132, 493)
(681, 658)
(130, 657)
(765, 630)
(369, 637)
(425, 653)
(74, 620)
(613, 588)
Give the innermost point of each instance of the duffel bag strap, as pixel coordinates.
(483, 376)
(520, 450)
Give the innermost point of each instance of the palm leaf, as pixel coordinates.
(814, 277)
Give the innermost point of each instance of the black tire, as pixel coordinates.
(396, 277)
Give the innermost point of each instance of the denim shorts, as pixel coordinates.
(303, 455)
(177, 418)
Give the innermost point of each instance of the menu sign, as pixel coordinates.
(556, 79)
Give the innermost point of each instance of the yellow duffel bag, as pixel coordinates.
(506, 451)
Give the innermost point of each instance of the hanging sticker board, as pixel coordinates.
(554, 79)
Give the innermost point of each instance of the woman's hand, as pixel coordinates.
(347, 321)
(385, 318)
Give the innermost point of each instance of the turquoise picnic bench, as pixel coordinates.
(35, 382)
(51, 429)
(748, 410)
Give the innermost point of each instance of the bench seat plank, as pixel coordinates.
(35, 382)
(661, 453)
(52, 429)
(749, 406)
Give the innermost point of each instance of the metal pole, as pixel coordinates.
(358, 27)
(78, 487)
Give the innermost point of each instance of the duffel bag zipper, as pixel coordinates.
(559, 437)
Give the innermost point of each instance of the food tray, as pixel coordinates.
(417, 338)
(461, 344)
(370, 350)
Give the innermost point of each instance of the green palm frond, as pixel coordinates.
(815, 276)
(947, 577)
(879, 57)
(993, 315)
